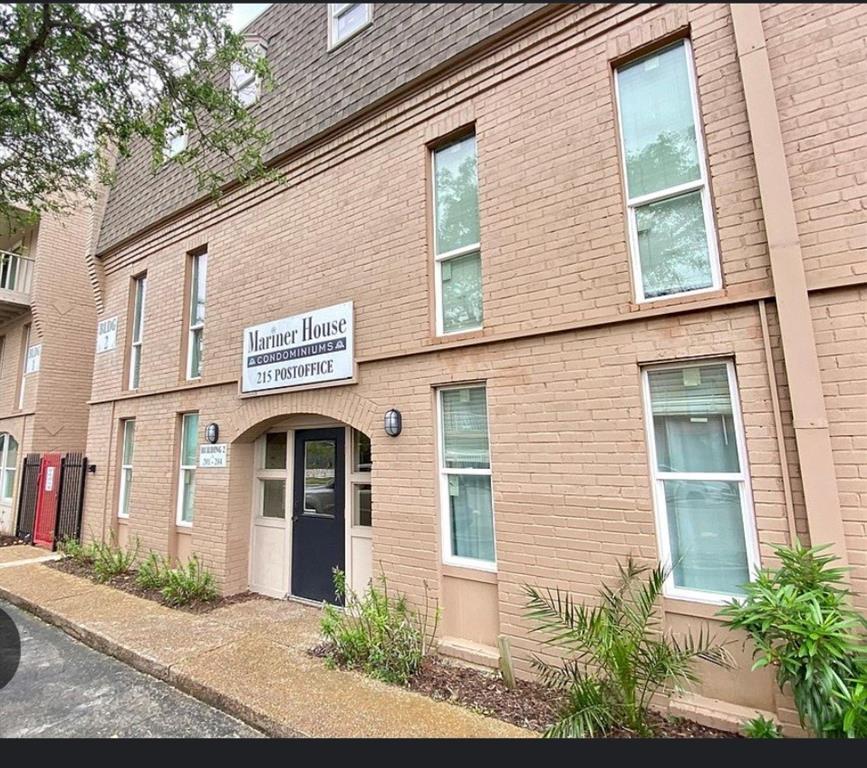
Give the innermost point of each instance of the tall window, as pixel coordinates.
(456, 237)
(187, 470)
(139, 287)
(8, 463)
(670, 220)
(345, 19)
(127, 432)
(465, 478)
(198, 279)
(22, 384)
(700, 482)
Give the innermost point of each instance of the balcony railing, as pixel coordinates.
(16, 272)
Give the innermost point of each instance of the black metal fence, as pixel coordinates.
(73, 471)
(27, 491)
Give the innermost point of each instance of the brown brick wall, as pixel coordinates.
(840, 320)
(563, 337)
(63, 320)
(820, 75)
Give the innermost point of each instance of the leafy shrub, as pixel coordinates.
(152, 573)
(188, 583)
(73, 548)
(111, 560)
(617, 656)
(378, 632)
(761, 728)
(801, 622)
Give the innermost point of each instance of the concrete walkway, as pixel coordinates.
(247, 659)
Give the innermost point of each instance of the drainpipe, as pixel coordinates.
(812, 435)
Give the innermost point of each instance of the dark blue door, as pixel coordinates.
(317, 513)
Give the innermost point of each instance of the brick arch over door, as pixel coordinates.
(335, 403)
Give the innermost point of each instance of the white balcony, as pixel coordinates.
(16, 277)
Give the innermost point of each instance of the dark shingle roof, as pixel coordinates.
(316, 88)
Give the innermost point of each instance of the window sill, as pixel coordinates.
(448, 338)
(703, 609)
(639, 305)
(483, 573)
(183, 527)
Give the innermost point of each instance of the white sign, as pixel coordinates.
(212, 455)
(49, 479)
(34, 355)
(106, 335)
(303, 349)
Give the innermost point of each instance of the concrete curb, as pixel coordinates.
(149, 666)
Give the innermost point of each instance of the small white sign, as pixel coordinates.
(106, 335)
(310, 348)
(213, 455)
(49, 479)
(34, 356)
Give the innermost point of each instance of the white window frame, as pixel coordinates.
(256, 47)
(125, 468)
(23, 386)
(176, 142)
(335, 11)
(138, 308)
(357, 479)
(262, 473)
(742, 477)
(183, 469)
(701, 184)
(5, 437)
(465, 250)
(444, 472)
(193, 327)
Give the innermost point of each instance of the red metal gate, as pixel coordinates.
(46, 501)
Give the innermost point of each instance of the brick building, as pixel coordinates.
(605, 263)
(47, 328)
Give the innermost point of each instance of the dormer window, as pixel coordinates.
(176, 142)
(346, 19)
(245, 83)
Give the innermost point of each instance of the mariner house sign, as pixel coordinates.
(303, 349)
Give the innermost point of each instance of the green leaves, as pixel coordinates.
(80, 80)
(761, 727)
(800, 620)
(617, 656)
(378, 632)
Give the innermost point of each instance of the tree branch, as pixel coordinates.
(29, 50)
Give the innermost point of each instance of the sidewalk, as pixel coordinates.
(247, 659)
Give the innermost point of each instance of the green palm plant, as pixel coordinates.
(617, 655)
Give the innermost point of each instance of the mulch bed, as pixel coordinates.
(529, 705)
(9, 541)
(126, 583)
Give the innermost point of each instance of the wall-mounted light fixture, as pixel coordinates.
(393, 422)
(212, 432)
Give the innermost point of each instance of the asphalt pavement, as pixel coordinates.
(65, 689)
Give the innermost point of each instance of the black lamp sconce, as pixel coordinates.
(393, 422)
(212, 432)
